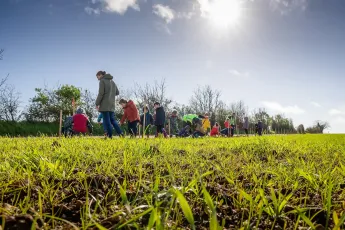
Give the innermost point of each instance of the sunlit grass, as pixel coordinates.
(283, 182)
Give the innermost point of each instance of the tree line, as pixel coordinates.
(45, 106)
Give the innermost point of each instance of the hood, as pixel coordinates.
(130, 103)
(108, 76)
(80, 111)
(246, 118)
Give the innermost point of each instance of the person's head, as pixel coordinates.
(146, 109)
(80, 111)
(156, 105)
(207, 114)
(123, 103)
(216, 124)
(174, 112)
(100, 74)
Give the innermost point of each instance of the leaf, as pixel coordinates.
(208, 199)
(307, 220)
(246, 196)
(185, 208)
(135, 218)
(152, 219)
(214, 221)
(284, 202)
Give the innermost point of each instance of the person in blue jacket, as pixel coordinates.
(148, 121)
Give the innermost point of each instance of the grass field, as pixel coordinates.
(277, 182)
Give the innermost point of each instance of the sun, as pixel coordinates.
(224, 13)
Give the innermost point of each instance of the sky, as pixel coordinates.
(285, 55)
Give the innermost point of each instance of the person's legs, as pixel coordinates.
(135, 128)
(106, 124)
(225, 131)
(246, 131)
(260, 132)
(159, 129)
(232, 130)
(115, 124)
(132, 128)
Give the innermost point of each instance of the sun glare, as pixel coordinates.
(224, 13)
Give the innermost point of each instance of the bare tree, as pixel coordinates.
(149, 94)
(88, 102)
(205, 99)
(9, 104)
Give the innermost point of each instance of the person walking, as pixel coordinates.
(131, 114)
(246, 125)
(105, 102)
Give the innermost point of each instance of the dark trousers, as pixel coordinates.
(198, 134)
(246, 131)
(260, 132)
(160, 129)
(109, 122)
(132, 128)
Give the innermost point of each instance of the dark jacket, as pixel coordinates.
(106, 94)
(160, 116)
(148, 119)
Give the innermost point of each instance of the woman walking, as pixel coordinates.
(105, 102)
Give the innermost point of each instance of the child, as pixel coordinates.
(173, 123)
(199, 129)
(160, 119)
(184, 132)
(206, 124)
(246, 125)
(260, 127)
(233, 124)
(148, 119)
(215, 130)
(130, 114)
(227, 129)
(67, 128)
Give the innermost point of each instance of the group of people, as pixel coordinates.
(193, 125)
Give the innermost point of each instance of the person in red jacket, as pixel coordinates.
(215, 130)
(81, 123)
(130, 114)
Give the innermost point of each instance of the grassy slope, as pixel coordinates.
(268, 182)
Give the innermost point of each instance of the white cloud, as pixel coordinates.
(238, 74)
(116, 6)
(164, 12)
(163, 27)
(186, 15)
(335, 112)
(91, 11)
(209, 64)
(315, 104)
(286, 6)
(276, 107)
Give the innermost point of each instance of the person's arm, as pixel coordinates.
(124, 117)
(99, 119)
(89, 126)
(101, 92)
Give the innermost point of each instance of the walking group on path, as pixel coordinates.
(193, 125)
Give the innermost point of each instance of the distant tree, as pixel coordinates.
(9, 104)
(300, 129)
(87, 101)
(149, 94)
(319, 127)
(47, 103)
(205, 100)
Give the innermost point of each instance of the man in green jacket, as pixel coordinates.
(105, 102)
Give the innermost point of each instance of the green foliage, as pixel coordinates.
(273, 182)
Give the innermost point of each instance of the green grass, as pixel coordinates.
(276, 182)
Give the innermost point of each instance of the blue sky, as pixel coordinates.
(285, 55)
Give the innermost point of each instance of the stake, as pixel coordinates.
(169, 127)
(144, 124)
(60, 126)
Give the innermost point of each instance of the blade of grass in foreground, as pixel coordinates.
(185, 208)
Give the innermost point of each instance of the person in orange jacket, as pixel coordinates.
(130, 114)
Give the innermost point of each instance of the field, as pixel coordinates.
(276, 182)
